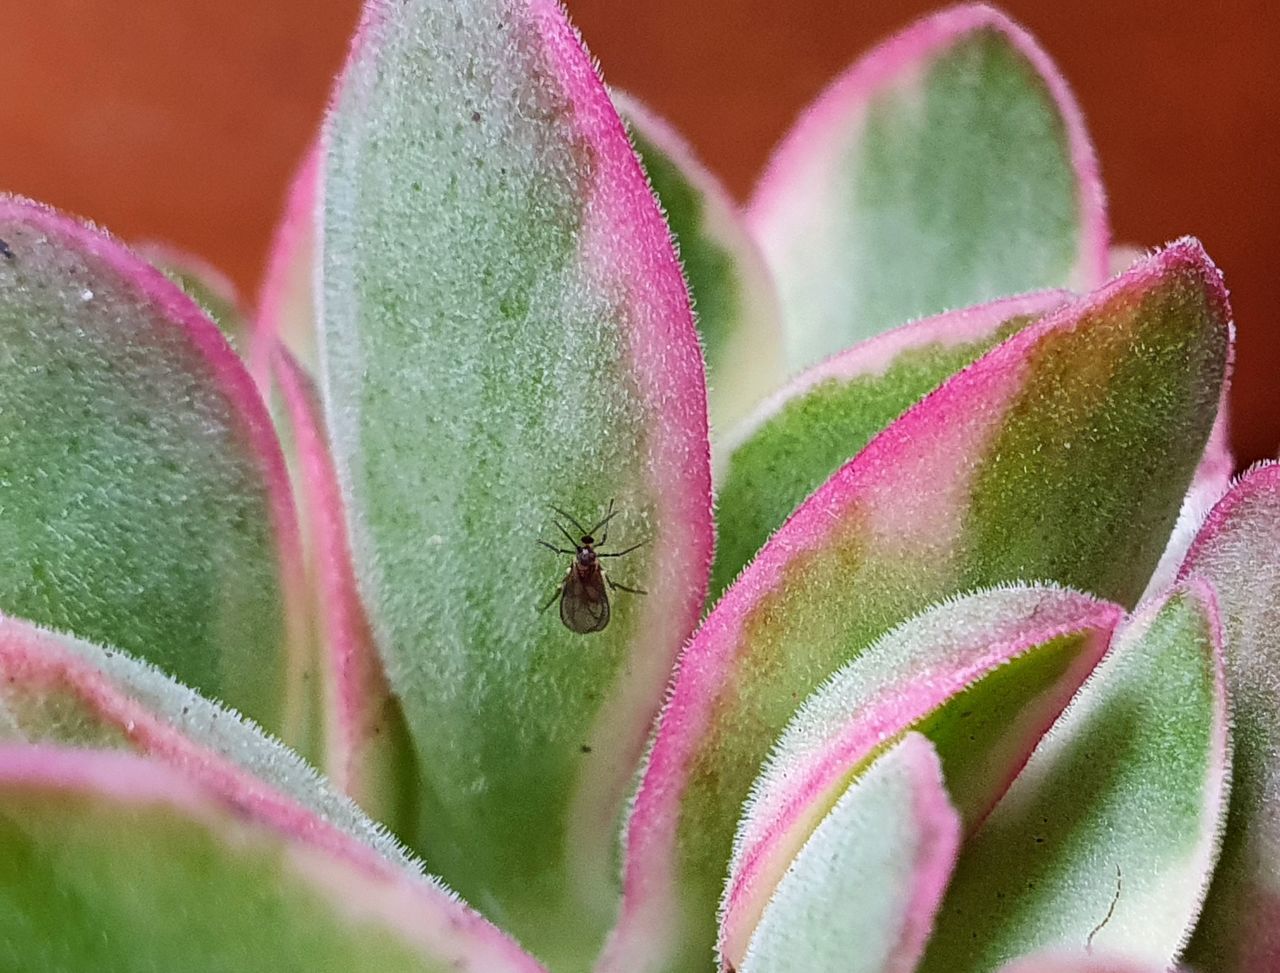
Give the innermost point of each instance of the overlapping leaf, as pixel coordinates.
(1062, 455)
(948, 166)
(145, 503)
(1238, 552)
(505, 327)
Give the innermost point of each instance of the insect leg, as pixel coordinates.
(552, 600)
(620, 553)
(552, 547)
(622, 587)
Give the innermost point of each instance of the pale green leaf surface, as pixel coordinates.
(1062, 455)
(506, 327)
(367, 753)
(57, 689)
(1109, 835)
(114, 864)
(205, 284)
(144, 502)
(981, 676)
(732, 291)
(949, 166)
(1238, 551)
(860, 895)
(819, 421)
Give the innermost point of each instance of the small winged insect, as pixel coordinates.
(584, 592)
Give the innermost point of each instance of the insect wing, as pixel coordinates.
(584, 603)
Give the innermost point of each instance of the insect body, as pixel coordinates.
(584, 592)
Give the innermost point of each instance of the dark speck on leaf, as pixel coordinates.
(585, 749)
(475, 116)
(5, 250)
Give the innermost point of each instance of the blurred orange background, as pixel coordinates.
(182, 119)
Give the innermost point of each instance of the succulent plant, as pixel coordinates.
(981, 675)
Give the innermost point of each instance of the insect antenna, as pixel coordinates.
(569, 517)
(569, 537)
(603, 523)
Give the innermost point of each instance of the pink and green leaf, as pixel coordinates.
(367, 753)
(732, 291)
(1077, 962)
(947, 167)
(114, 862)
(813, 426)
(1061, 455)
(1109, 835)
(146, 504)
(1238, 552)
(59, 690)
(506, 327)
(983, 677)
(286, 312)
(861, 894)
(209, 287)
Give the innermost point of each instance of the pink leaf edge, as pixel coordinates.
(624, 242)
(707, 662)
(294, 234)
(1058, 962)
(875, 355)
(846, 98)
(231, 378)
(781, 808)
(357, 683)
(424, 912)
(939, 829)
(1258, 481)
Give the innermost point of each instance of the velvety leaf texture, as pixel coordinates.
(367, 752)
(1238, 552)
(145, 503)
(1109, 835)
(892, 834)
(813, 426)
(949, 166)
(55, 689)
(506, 327)
(1062, 455)
(981, 676)
(206, 885)
(732, 291)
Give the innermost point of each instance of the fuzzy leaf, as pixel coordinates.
(506, 327)
(286, 313)
(1063, 454)
(367, 753)
(1079, 962)
(1109, 835)
(1238, 551)
(145, 502)
(949, 166)
(982, 677)
(892, 831)
(732, 292)
(813, 426)
(116, 863)
(56, 689)
(205, 284)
